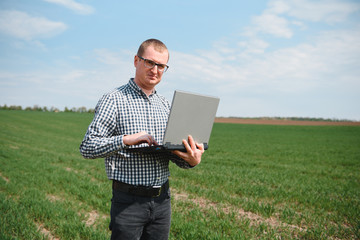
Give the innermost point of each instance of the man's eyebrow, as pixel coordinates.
(163, 64)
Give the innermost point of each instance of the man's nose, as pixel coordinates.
(154, 69)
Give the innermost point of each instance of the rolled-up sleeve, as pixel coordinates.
(178, 161)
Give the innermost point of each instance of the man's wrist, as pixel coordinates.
(123, 144)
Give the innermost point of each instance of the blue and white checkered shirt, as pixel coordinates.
(124, 111)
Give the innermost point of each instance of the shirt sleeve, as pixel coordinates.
(178, 161)
(100, 139)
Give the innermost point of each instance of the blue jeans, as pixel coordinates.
(134, 217)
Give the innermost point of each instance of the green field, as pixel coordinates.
(255, 182)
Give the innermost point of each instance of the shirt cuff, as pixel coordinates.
(120, 143)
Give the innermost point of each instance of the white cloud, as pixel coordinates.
(23, 26)
(114, 58)
(280, 15)
(314, 78)
(270, 24)
(74, 6)
(327, 61)
(256, 46)
(329, 11)
(278, 7)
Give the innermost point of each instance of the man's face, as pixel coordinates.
(147, 78)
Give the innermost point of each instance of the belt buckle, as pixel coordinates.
(158, 188)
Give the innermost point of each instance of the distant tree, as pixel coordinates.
(54, 109)
(13, 107)
(81, 109)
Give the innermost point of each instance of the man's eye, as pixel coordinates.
(150, 62)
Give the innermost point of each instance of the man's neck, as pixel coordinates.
(147, 91)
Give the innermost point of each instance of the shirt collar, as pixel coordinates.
(135, 87)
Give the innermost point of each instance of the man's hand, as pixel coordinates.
(193, 152)
(137, 138)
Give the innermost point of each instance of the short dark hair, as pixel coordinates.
(157, 44)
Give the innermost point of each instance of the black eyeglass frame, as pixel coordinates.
(166, 67)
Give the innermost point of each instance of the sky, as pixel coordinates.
(275, 58)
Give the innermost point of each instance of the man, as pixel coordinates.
(136, 114)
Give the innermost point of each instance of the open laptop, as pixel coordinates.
(190, 114)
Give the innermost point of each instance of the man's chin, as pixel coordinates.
(153, 81)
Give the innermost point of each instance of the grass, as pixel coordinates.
(299, 175)
(255, 182)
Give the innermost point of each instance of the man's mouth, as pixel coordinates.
(152, 77)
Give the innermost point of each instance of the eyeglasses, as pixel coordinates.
(150, 64)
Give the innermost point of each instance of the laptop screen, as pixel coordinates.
(191, 114)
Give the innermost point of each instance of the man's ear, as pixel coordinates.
(135, 60)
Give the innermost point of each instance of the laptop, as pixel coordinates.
(190, 114)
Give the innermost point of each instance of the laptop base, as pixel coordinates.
(162, 148)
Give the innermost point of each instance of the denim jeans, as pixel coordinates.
(134, 217)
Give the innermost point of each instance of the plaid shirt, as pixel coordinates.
(124, 111)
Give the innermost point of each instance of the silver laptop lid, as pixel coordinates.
(191, 114)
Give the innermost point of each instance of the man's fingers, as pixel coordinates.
(150, 140)
(192, 142)
(200, 146)
(193, 152)
(180, 154)
(191, 145)
(137, 138)
(187, 146)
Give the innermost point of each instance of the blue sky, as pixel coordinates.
(285, 58)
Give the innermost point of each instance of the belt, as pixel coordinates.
(141, 191)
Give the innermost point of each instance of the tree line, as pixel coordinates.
(46, 109)
(91, 110)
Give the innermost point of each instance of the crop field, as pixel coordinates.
(254, 182)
